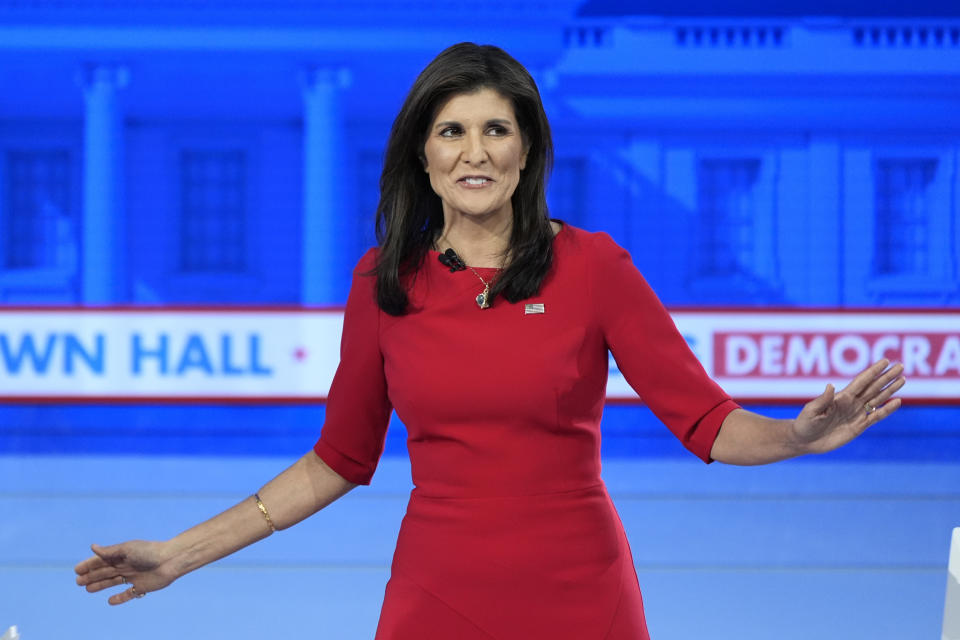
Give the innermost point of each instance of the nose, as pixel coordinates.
(474, 148)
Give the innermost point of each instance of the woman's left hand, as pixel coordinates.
(837, 417)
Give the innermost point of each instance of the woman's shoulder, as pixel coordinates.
(367, 262)
(590, 244)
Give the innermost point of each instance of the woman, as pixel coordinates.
(487, 326)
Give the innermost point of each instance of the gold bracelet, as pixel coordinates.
(263, 510)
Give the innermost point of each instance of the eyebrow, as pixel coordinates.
(448, 123)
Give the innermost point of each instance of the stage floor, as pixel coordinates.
(803, 549)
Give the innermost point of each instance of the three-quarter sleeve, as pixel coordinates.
(358, 409)
(650, 352)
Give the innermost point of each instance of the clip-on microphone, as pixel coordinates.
(449, 258)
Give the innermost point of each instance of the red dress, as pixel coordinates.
(510, 532)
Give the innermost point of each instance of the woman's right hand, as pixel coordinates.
(142, 564)
(298, 492)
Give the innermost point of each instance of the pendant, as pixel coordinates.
(484, 298)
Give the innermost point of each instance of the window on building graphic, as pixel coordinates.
(727, 206)
(213, 228)
(903, 212)
(39, 223)
(565, 190)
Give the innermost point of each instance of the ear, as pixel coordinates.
(523, 157)
(423, 161)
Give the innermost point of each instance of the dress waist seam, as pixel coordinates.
(418, 493)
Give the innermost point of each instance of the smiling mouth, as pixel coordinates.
(475, 181)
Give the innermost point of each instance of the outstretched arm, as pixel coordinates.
(825, 423)
(300, 491)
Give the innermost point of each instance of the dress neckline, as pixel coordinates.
(563, 230)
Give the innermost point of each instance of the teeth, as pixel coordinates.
(474, 180)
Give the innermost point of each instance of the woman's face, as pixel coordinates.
(474, 154)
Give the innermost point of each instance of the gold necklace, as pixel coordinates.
(483, 298)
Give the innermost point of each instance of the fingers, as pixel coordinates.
(102, 571)
(879, 390)
(880, 382)
(90, 564)
(866, 377)
(126, 596)
(111, 574)
(105, 557)
(100, 584)
(891, 389)
(886, 393)
(884, 411)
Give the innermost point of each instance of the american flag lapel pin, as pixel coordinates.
(533, 308)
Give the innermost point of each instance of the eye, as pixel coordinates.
(498, 130)
(450, 132)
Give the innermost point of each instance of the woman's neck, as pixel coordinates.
(478, 243)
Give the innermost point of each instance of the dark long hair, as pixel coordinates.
(410, 214)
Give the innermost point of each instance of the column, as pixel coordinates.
(825, 219)
(103, 211)
(327, 225)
